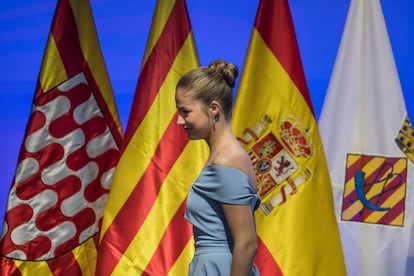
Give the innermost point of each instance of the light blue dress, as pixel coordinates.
(213, 242)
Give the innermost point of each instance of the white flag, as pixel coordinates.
(368, 140)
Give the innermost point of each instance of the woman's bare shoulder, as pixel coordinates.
(237, 158)
(231, 157)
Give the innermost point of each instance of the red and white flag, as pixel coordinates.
(67, 158)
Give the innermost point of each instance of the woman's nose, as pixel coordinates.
(180, 120)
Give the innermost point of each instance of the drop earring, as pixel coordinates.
(214, 123)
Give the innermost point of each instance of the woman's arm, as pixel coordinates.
(241, 224)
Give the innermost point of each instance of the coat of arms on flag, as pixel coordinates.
(274, 160)
(405, 139)
(375, 189)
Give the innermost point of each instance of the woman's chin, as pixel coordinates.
(193, 137)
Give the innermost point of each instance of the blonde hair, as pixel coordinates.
(212, 83)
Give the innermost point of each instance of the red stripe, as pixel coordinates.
(387, 187)
(396, 210)
(65, 265)
(275, 25)
(357, 165)
(8, 267)
(135, 209)
(175, 238)
(350, 174)
(38, 91)
(265, 262)
(110, 121)
(65, 33)
(159, 63)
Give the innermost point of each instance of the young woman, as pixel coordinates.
(222, 200)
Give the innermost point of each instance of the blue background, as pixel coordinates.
(221, 29)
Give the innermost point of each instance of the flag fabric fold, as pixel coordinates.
(273, 118)
(66, 161)
(369, 140)
(144, 231)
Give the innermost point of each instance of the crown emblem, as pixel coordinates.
(405, 139)
(296, 138)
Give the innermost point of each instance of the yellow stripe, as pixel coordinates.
(396, 196)
(399, 220)
(159, 19)
(180, 267)
(352, 158)
(352, 210)
(349, 187)
(28, 267)
(86, 255)
(374, 217)
(89, 43)
(368, 168)
(378, 187)
(52, 71)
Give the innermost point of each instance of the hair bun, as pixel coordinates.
(228, 71)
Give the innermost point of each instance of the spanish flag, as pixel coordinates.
(144, 231)
(273, 118)
(68, 156)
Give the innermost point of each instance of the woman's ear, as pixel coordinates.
(215, 108)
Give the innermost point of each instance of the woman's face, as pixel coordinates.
(192, 115)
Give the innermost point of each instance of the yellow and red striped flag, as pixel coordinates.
(273, 118)
(144, 231)
(66, 162)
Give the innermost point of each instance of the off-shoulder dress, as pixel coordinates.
(213, 242)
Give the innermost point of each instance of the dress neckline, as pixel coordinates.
(232, 169)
